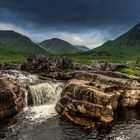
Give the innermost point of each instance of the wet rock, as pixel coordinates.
(7, 66)
(50, 67)
(34, 63)
(11, 97)
(40, 63)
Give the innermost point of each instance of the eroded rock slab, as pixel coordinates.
(79, 98)
(93, 96)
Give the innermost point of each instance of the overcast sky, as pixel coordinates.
(81, 22)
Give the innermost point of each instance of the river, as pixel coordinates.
(39, 120)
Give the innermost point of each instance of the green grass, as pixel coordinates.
(86, 59)
(130, 71)
(13, 60)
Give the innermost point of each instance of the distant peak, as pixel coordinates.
(134, 35)
(136, 28)
(138, 25)
(13, 35)
(9, 32)
(56, 39)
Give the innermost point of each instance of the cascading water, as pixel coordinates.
(44, 93)
(40, 96)
(20, 75)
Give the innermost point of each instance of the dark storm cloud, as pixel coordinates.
(86, 22)
(72, 13)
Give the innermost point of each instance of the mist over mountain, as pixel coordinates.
(126, 46)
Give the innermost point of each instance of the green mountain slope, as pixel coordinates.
(15, 47)
(58, 46)
(127, 46)
(7, 55)
(16, 42)
(83, 48)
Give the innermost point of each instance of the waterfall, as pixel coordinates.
(40, 95)
(44, 93)
(21, 76)
(39, 92)
(43, 98)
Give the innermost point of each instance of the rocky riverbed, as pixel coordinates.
(87, 95)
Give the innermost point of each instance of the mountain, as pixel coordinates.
(126, 46)
(58, 46)
(18, 43)
(7, 55)
(83, 48)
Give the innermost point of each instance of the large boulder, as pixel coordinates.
(34, 63)
(94, 96)
(38, 63)
(11, 97)
(51, 67)
(81, 99)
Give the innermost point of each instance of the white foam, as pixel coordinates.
(40, 113)
(24, 76)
